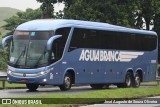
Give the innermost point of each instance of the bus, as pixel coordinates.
(62, 52)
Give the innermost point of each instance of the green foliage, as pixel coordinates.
(22, 17)
(59, 15)
(145, 12)
(3, 59)
(6, 13)
(109, 11)
(135, 13)
(48, 8)
(68, 3)
(13, 85)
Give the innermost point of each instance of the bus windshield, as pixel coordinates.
(28, 49)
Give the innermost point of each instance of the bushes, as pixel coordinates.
(3, 59)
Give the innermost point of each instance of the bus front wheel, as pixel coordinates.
(67, 83)
(32, 87)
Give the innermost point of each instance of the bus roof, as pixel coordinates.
(52, 24)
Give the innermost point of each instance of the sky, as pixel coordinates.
(24, 4)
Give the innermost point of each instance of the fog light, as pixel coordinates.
(44, 80)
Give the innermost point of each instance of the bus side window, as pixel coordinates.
(78, 39)
(59, 44)
(84, 38)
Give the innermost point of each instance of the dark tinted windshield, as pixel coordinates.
(29, 48)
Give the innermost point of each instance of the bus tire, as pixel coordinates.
(67, 83)
(97, 86)
(137, 81)
(128, 81)
(32, 87)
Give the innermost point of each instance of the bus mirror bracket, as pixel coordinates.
(51, 40)
(6, 40)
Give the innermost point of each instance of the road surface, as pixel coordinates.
(8, 93)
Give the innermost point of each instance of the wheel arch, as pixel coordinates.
(129, 70)
(72, 72)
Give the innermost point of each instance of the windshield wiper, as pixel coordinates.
(40, 58)
(19, 57)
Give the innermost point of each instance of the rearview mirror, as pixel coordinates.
(51, 40)
(6, 40)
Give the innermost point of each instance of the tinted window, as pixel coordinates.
(83, 38)
(127, 41)
(59, 44)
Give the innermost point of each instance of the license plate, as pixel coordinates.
(24, 80)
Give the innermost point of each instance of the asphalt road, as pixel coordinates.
(8, 93)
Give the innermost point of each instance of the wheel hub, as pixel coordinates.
(137, 81)
(128, 81)
(67, 82)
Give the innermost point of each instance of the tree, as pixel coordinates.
(109, 11)
(22, 17)
(59, 15)
(145, 13)
(47, 7)
(3, 59)
(68, 3)
(156, 17)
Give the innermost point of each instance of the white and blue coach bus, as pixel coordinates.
(64, 52)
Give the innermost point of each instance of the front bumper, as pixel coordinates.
(29, 78)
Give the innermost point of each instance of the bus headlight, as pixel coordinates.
(9, 71)
(44, 72)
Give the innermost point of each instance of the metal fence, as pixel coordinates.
(3, 78)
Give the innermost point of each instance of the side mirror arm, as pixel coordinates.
(51, 40)
(6, 39)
